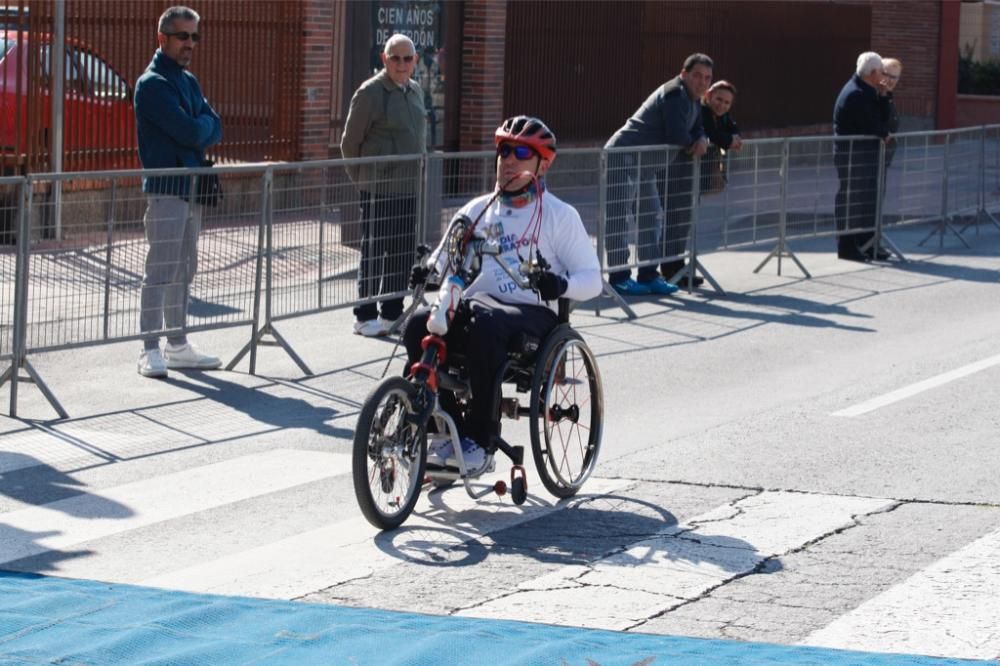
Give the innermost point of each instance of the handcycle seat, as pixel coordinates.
(522, 347)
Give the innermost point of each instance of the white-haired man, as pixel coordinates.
(858, 111)
(386, 117)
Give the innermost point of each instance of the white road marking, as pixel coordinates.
(353, 549)
(919, 387)
(679, 563)
(950, 609)
(92, 515)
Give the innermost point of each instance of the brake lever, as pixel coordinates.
(541, 262)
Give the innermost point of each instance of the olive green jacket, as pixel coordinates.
(385, 120)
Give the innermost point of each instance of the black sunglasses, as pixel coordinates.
(397, 58)
(520, 152)
(184, 36)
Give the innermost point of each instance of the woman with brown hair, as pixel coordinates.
(721, 130)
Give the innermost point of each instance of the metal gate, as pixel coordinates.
(249, 63)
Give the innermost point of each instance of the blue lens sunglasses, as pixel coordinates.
(520, 152)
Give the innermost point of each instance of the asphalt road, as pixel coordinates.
(800, 461)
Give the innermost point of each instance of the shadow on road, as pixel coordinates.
(591, 529)
(259, 404)
(34, 482)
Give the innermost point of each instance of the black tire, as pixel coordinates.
(390, 452)
(518, 490)
(567, 412)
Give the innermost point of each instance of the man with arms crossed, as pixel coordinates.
(176, 125)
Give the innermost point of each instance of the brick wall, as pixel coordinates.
(483, 45)
(318, 60)
(906, 30)
(910, 32)
(978, 110)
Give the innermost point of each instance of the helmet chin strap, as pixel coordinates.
(523, 195)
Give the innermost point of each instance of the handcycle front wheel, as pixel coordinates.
(390, 452)
(567, 412)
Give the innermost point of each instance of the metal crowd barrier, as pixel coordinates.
(287, 239)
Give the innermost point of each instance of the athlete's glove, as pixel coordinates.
(418, 275)
(551, 286)
(420, 270)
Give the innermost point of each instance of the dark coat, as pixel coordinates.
(668, 117)
(858, 111)
(174, 122)
(720, 131)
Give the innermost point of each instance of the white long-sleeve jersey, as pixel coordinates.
(562, 240)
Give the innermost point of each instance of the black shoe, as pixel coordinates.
(881, 255)
(682, 281)
(669, 269)
(854, 256)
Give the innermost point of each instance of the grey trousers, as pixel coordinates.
(172, 228)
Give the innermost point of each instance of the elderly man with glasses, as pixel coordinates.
(386, 117)
(175, 126)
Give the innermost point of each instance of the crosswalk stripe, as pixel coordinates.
(352, 549)
(92, 515)
(951, 608)
(679, 563)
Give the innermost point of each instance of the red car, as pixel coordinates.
(98, 120)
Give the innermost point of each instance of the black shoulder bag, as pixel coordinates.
(208, 188)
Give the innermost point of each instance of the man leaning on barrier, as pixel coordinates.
(175, 126)
(859, 110)
(671, 115)
(386, 117)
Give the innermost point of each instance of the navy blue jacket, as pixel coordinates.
(858, 111)
(668, 116)
(175, 123)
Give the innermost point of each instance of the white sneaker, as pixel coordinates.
(372, 328)
(473, 455)
(188, 356)
(439, 449)
(151, 364)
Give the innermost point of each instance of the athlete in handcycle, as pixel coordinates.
(506, 269)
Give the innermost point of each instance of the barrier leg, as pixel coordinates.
(778, 252)
(982, 215)
(619, 301)
(885, 243)
(939, 229)
(12, 374)
(262, 292)
(989, 218)
(694, 267)
(260, 338)
(892, 247)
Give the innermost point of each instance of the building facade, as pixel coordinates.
(586, 67)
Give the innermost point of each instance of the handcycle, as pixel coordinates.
(559, 373)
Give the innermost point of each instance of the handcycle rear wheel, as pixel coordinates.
(390, 452)
(567, 412)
